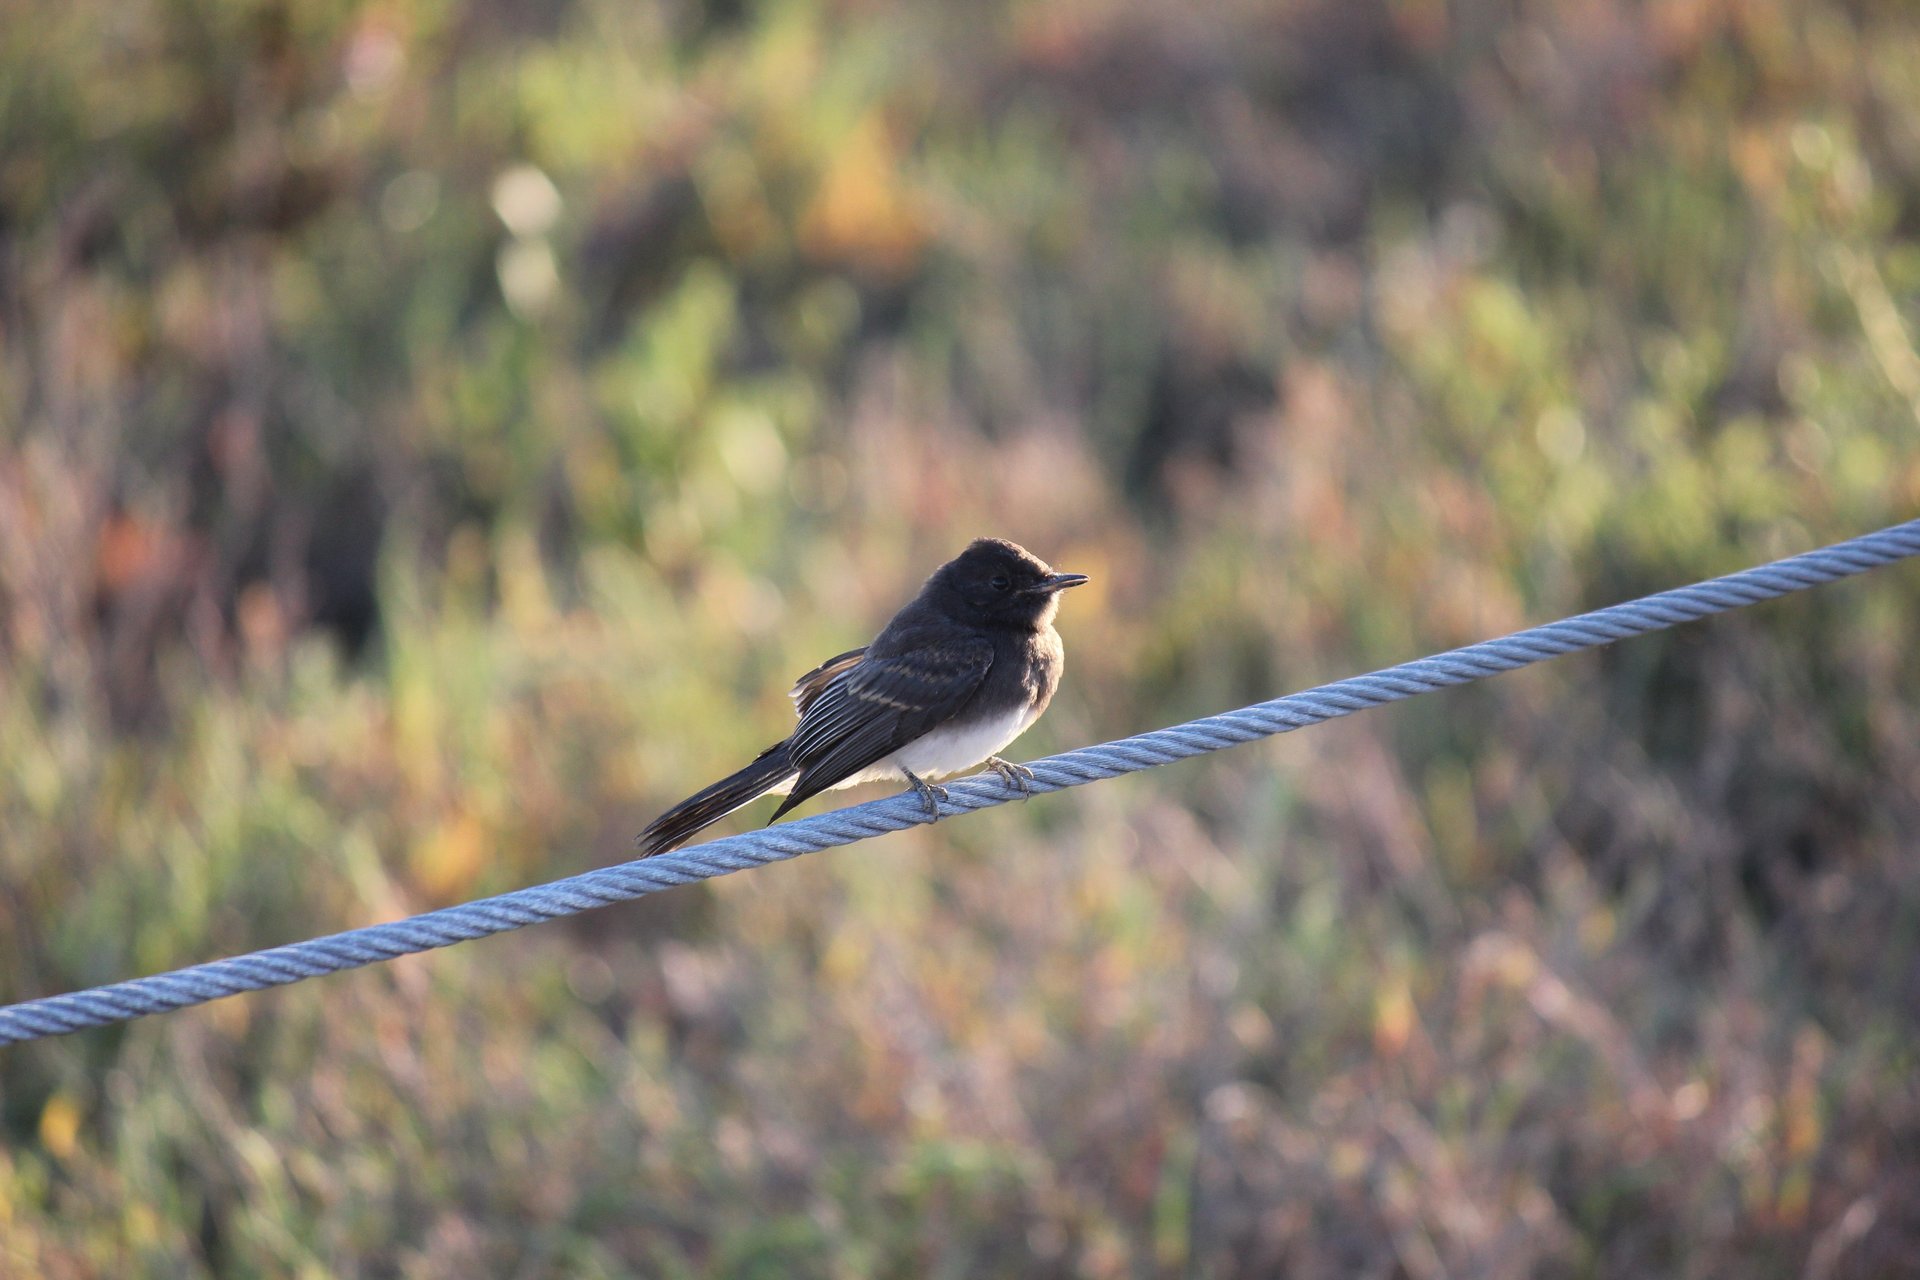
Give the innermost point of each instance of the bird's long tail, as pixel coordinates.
(704, 808)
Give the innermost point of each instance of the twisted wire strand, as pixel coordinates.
(296, 962)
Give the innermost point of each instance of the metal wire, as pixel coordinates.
(296, 962)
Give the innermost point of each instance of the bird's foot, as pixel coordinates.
(929, 794)
(1017, 776)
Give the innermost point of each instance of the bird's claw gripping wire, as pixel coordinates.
(1015, 775)
(930, 795)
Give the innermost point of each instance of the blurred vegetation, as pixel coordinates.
(431, 435)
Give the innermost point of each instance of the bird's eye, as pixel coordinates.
(1000, 582)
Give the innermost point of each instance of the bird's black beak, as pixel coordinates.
(1057, 582)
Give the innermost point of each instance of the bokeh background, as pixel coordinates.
(432, 435)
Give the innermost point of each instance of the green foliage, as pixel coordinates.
(430, 437)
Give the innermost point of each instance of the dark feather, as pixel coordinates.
(875, 706)
(809, 686)
(704, 808)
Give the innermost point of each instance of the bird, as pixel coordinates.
(963, 669)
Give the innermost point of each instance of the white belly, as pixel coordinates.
(947, 751)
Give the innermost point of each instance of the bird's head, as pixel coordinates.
(999, 583)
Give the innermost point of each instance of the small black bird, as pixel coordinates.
(956, 676)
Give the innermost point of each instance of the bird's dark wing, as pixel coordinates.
(875, 706)
(809, 686)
